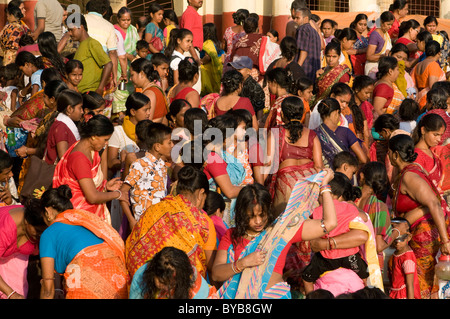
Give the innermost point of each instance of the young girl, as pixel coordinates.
(402, 265)
(153, 34)
(64, 132)
(305, 89)
(74, 72)
(9, 79)
(31, 67)
(179, 43)
(171, 22)
(161, 64)
(408, 113)
(93, 104)
(363, 89)
(188, 77)
(422, 38)
(212, 57)
(430, 23)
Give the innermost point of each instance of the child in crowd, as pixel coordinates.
(305, 88)
(9, 79)
(402, 266)
(408, 113)
(170, 20)
(332, 258)
(214, 207)
(141, 49)
(147, 179)
(32, 67)
(8, 189)
(93, 104)
(179, 43)
(74, 71)
(161, 64)
(363, 86)
(346, 163)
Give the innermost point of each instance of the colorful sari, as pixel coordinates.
(371, 68)
(212, 71)
(274, 116)
(98, 271)
(421, 80)
(252, 282)
(331, 144)
(172, 222)
(425, 237)
(9, 41)
(79, 201)
(397, 99)
(129, 42)
(359, 60)
(327, 79)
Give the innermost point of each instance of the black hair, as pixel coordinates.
(293, 108)
(248, 198)
(189, 153)
(404, 145)
(298, 4)
(319, 294)
(362, 81)
(48, 47)
(240, 15)
(135, 101)
(385, 64)
(407, 25)
(50, 74)
(398, 5)
(187, 69)
(442, 84)
(27, 57)
(347, 33)
(72, 65)
(437, 98)
(144, 65)
(399, 47)
(430, 122)
(175, 35)
(375, 176)
(68, 98)
(430, 19)
(214, 201)
(386, 121)
(141, 44)
(424, 36)
(58, 198)
(14, 10)
(409, 110)
(156, 134)
(99, 6)
(328, 106)
(175, 107)
(231, 81)
(210, 33)
(122, 11)
(171, 15)
(172, 267)
(226, 124)
(281, 77)
(303, 83)
(141, 131)
(159, 59)
(54, 88)
(191, 118)
(387, 16)
(342, 158)
(359, 17)
(6, 160)
(288, 47)
(274, 33)
(250, 24)
(242, 115)
(432, 48)
(191, 179)
(154, 7)
(10, 72)
(333, 45)
(92, 100)
(25, 40)
(98, 125)
(340, 88)
(330, 21)
(342, 186)
(34, 215)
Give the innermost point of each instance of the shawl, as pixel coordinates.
(129, 128)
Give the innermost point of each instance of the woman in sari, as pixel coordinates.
(429, 226)
(227, 42)
(295, 149)
(399, 9)
(379, 44)
(333, 137)
(146, 77)
(176, 221)
(84, 170)
(426, 136)
(333, 73)
(428, 72)
(407, 35)
(251, 256)
(11, 34)
(212, 60)
(169, 275)
(430, 23)
(83, 248)
(385, 88)
(130, 37)
(358, 53)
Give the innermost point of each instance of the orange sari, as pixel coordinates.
(421, 80)
(98, 271)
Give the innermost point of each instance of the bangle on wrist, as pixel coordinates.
(12, 293)
(325, 230)
(334, 241)
(120, 193)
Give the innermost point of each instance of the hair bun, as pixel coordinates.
(64, 191)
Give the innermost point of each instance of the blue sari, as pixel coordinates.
(252, 282)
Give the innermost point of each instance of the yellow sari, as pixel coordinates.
(211, 72)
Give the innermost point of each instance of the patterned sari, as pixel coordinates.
(9, 41)
(252, 282)
(274, 116)
(79, 201)
(425, 237)
(327, 79)
(98, 271)
(172, 222)
(331, 145)
(359, 60)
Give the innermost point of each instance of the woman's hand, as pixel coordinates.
(328, 176)
(254, 259)
(445, 248)
(113, 184)
(22, 151)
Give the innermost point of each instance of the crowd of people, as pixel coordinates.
(235, 166)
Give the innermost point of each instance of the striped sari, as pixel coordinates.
(252, 282)
(98, 271)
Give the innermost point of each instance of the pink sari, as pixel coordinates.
(79, 201)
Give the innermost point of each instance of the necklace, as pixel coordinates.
(252, 236)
